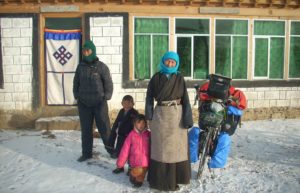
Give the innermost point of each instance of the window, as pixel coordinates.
(294, 60)
(192, 37)
(231, 48)
(268, 49)
(151, 41)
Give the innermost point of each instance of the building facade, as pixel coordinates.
(256, 43)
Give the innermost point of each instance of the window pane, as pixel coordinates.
(192, 26)
(269, 28)
(294, 69)
(261, 57)
(63, 23)
(184, 51)
(223, 55)
(295, 28)
(276, 57)
(201, 57)
(142, 57)
(160, 47)
(231, 27)
(239, 59)
(151, 25)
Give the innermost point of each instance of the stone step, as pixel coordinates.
(58, 123)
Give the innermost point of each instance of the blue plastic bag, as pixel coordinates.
(231, 110)
(194, 143)
(232, 120)
(219, 157)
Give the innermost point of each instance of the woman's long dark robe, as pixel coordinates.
(164, 174)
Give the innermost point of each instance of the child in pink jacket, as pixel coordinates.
(136, 149)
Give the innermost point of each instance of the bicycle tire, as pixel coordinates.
(203, 153)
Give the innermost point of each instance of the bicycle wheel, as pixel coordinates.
(203, 153)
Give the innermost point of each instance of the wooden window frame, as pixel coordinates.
(289, 47)
(42, 64)
(192, 41)
(151, 36)
(231, 36)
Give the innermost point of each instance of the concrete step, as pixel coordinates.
(58, 123)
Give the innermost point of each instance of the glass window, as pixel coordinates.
(192, 26)
(231, 45)
(237, 27)
(63, 23)
(151, 41)
(192, 36)
(294, 60)
(269, 41)
(269, 28)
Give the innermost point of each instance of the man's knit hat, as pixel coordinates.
(90, 45)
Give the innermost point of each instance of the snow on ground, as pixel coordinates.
(265, 157)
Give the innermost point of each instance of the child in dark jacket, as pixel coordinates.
(122, 125)
(136, 150)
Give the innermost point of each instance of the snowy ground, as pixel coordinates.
(265, 157)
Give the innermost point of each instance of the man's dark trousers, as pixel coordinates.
(87, 115)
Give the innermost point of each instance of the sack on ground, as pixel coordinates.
(194, 143)
(220, 155)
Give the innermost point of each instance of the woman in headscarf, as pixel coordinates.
(169, 121)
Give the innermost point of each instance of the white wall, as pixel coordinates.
(16, 40)
(273, 97)
(106, 32)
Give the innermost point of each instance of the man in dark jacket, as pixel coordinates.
(92, 87)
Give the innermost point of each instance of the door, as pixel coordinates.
(62, 43)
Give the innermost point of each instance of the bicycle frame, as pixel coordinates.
(206, 148)
(208, 141)
(212, 127)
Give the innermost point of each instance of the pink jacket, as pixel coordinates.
(136, 148)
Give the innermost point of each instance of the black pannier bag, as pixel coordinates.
(230, 124)
(211, 114)
(218, 86)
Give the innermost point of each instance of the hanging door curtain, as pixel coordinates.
(62, 58)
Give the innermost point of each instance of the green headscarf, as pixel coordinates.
(90, 45)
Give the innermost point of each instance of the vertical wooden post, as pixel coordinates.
(131, 43)
(211, 67)
(250, 67)
(172, 34)
(224, 3)
(42, 68)
(287, 50)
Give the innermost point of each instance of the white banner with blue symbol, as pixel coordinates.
(62, 58)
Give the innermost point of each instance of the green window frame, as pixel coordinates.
(193, 45)
(151, 41)
(268, 49)
(231, 48)
(294, 58)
